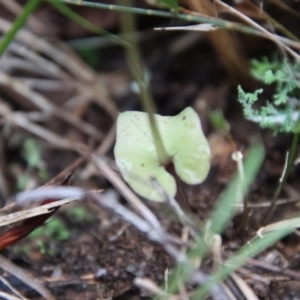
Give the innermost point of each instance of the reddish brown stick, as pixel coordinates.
(22, 229)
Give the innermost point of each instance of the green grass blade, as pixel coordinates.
(28, 9)
(190, 18)
(220, 217)
(76, 18)
(172, 4)
(225, 207)
(251, 249)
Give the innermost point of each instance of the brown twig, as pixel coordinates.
(106, 144)
(9, 286)
(273, 269)
(257, 26)
(11, 268)
(45, 105)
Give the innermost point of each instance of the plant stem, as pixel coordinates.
(29, 8)
(76, 18)
(127, 22)
(180, 196)
(238, 157)
(289, 164)
(252, 248)
(187, 17)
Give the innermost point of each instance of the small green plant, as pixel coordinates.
(218, 121)
(32, 154)
(79, 214)
(55, 229)
(90, 56)
(172, 4)
(282, 114)
(137, 158)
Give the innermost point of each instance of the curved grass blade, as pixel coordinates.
(76, 18)
(220, 217)
(251, 249)
(29, 8)
(226, 206)
(190, 18)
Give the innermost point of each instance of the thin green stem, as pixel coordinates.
(127, 22)
(252, 248)
(183, 270)
(220, 217)
(238, 157)
(289, 165)
(76, 18)
(284, 30)
(187, 17)
(28, 9)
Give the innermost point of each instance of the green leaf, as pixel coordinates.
(170, 3)
(248, 98)
(137, 159)
(32, 153)
(297, 127)
(269, 77)
(54, 229)
(79, 214)
(218, 120)
(260, 67)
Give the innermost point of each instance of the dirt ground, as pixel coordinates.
(100, 255)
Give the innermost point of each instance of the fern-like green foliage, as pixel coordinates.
(282, 114)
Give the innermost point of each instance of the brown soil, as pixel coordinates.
(102, 254)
